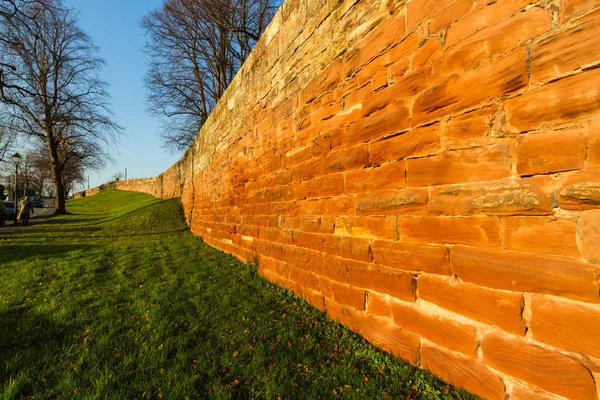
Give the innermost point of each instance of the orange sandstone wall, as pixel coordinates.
(427, 173)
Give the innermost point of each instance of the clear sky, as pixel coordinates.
(115, 29)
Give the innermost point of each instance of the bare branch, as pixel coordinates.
(54, 93)
(195, 49)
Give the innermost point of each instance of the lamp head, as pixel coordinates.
(16, 158)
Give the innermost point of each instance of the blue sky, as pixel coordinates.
(115, 29)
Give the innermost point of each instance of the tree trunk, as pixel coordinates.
(59, 188)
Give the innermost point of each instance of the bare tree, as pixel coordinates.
(38, 168)
(17, 12)
(195, 49)
(10, 10)
(7, 138)
(65, 102)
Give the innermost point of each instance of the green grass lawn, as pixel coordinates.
(120, 300)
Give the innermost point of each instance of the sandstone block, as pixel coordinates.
(327, 80)
(398, 69)
(345, 315)
(483, 17)
(366, 227)
(355, 248)
(484, 231)
(276, 266)
(521, 391)
(571, 9)
(386, 176)
(378, 304)
(566, 51)
(397, 202)
(347, 159)
(304, 278)
(417, 142)
(580, 196)
(336, 126)
(410, 84)
(450, 14)
(532, 363)
(368, 73)
(546, 235)
(386, 35)
(382, 123)
(306, 170)
(412, 257)
(467, 129)
(348, 295)
(526, 272)
(379, 81)
(544, 152)
(423, 10)
(568, 325)
(590, 234)
(428, 52)
(593, 151)
(324, 186)
(460, 166)
(384, 334)
(324, 243)
(493, 307)
(444, 331)
(494, 41)
(295, 156)
(313, 224)
(315, 298)
(318, 207)
(504, 76)
(339, 205)
(400, 285)
(392, 96)
(555, 103)
(507, 197)
(471, 374)
(281, 281)
(333, 268)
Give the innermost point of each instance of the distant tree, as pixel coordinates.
(13, 12)
(195, 49)
(2, 192)
(7, 139)
(63, 103)
(36, 169)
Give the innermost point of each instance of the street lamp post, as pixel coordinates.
(17, 160)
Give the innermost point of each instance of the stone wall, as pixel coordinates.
(427, 173)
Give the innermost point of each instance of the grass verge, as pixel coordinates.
(120, 300)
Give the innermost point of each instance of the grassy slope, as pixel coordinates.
(120, 300)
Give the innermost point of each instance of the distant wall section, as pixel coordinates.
(427, 173)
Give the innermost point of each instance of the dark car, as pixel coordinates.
(9, 209)
(37, 202)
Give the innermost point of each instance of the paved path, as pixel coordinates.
(39, 215)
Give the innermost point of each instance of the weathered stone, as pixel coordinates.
(590, 235)
(400, 202)
(543, 367)
(505, 198)
(583, 195)
(472, 374)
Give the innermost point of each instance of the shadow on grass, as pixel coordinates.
(90, 232)
(82, 229)
(23, 252)
(62, 221)
(27, 340)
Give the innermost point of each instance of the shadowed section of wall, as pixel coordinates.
(427, 173)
